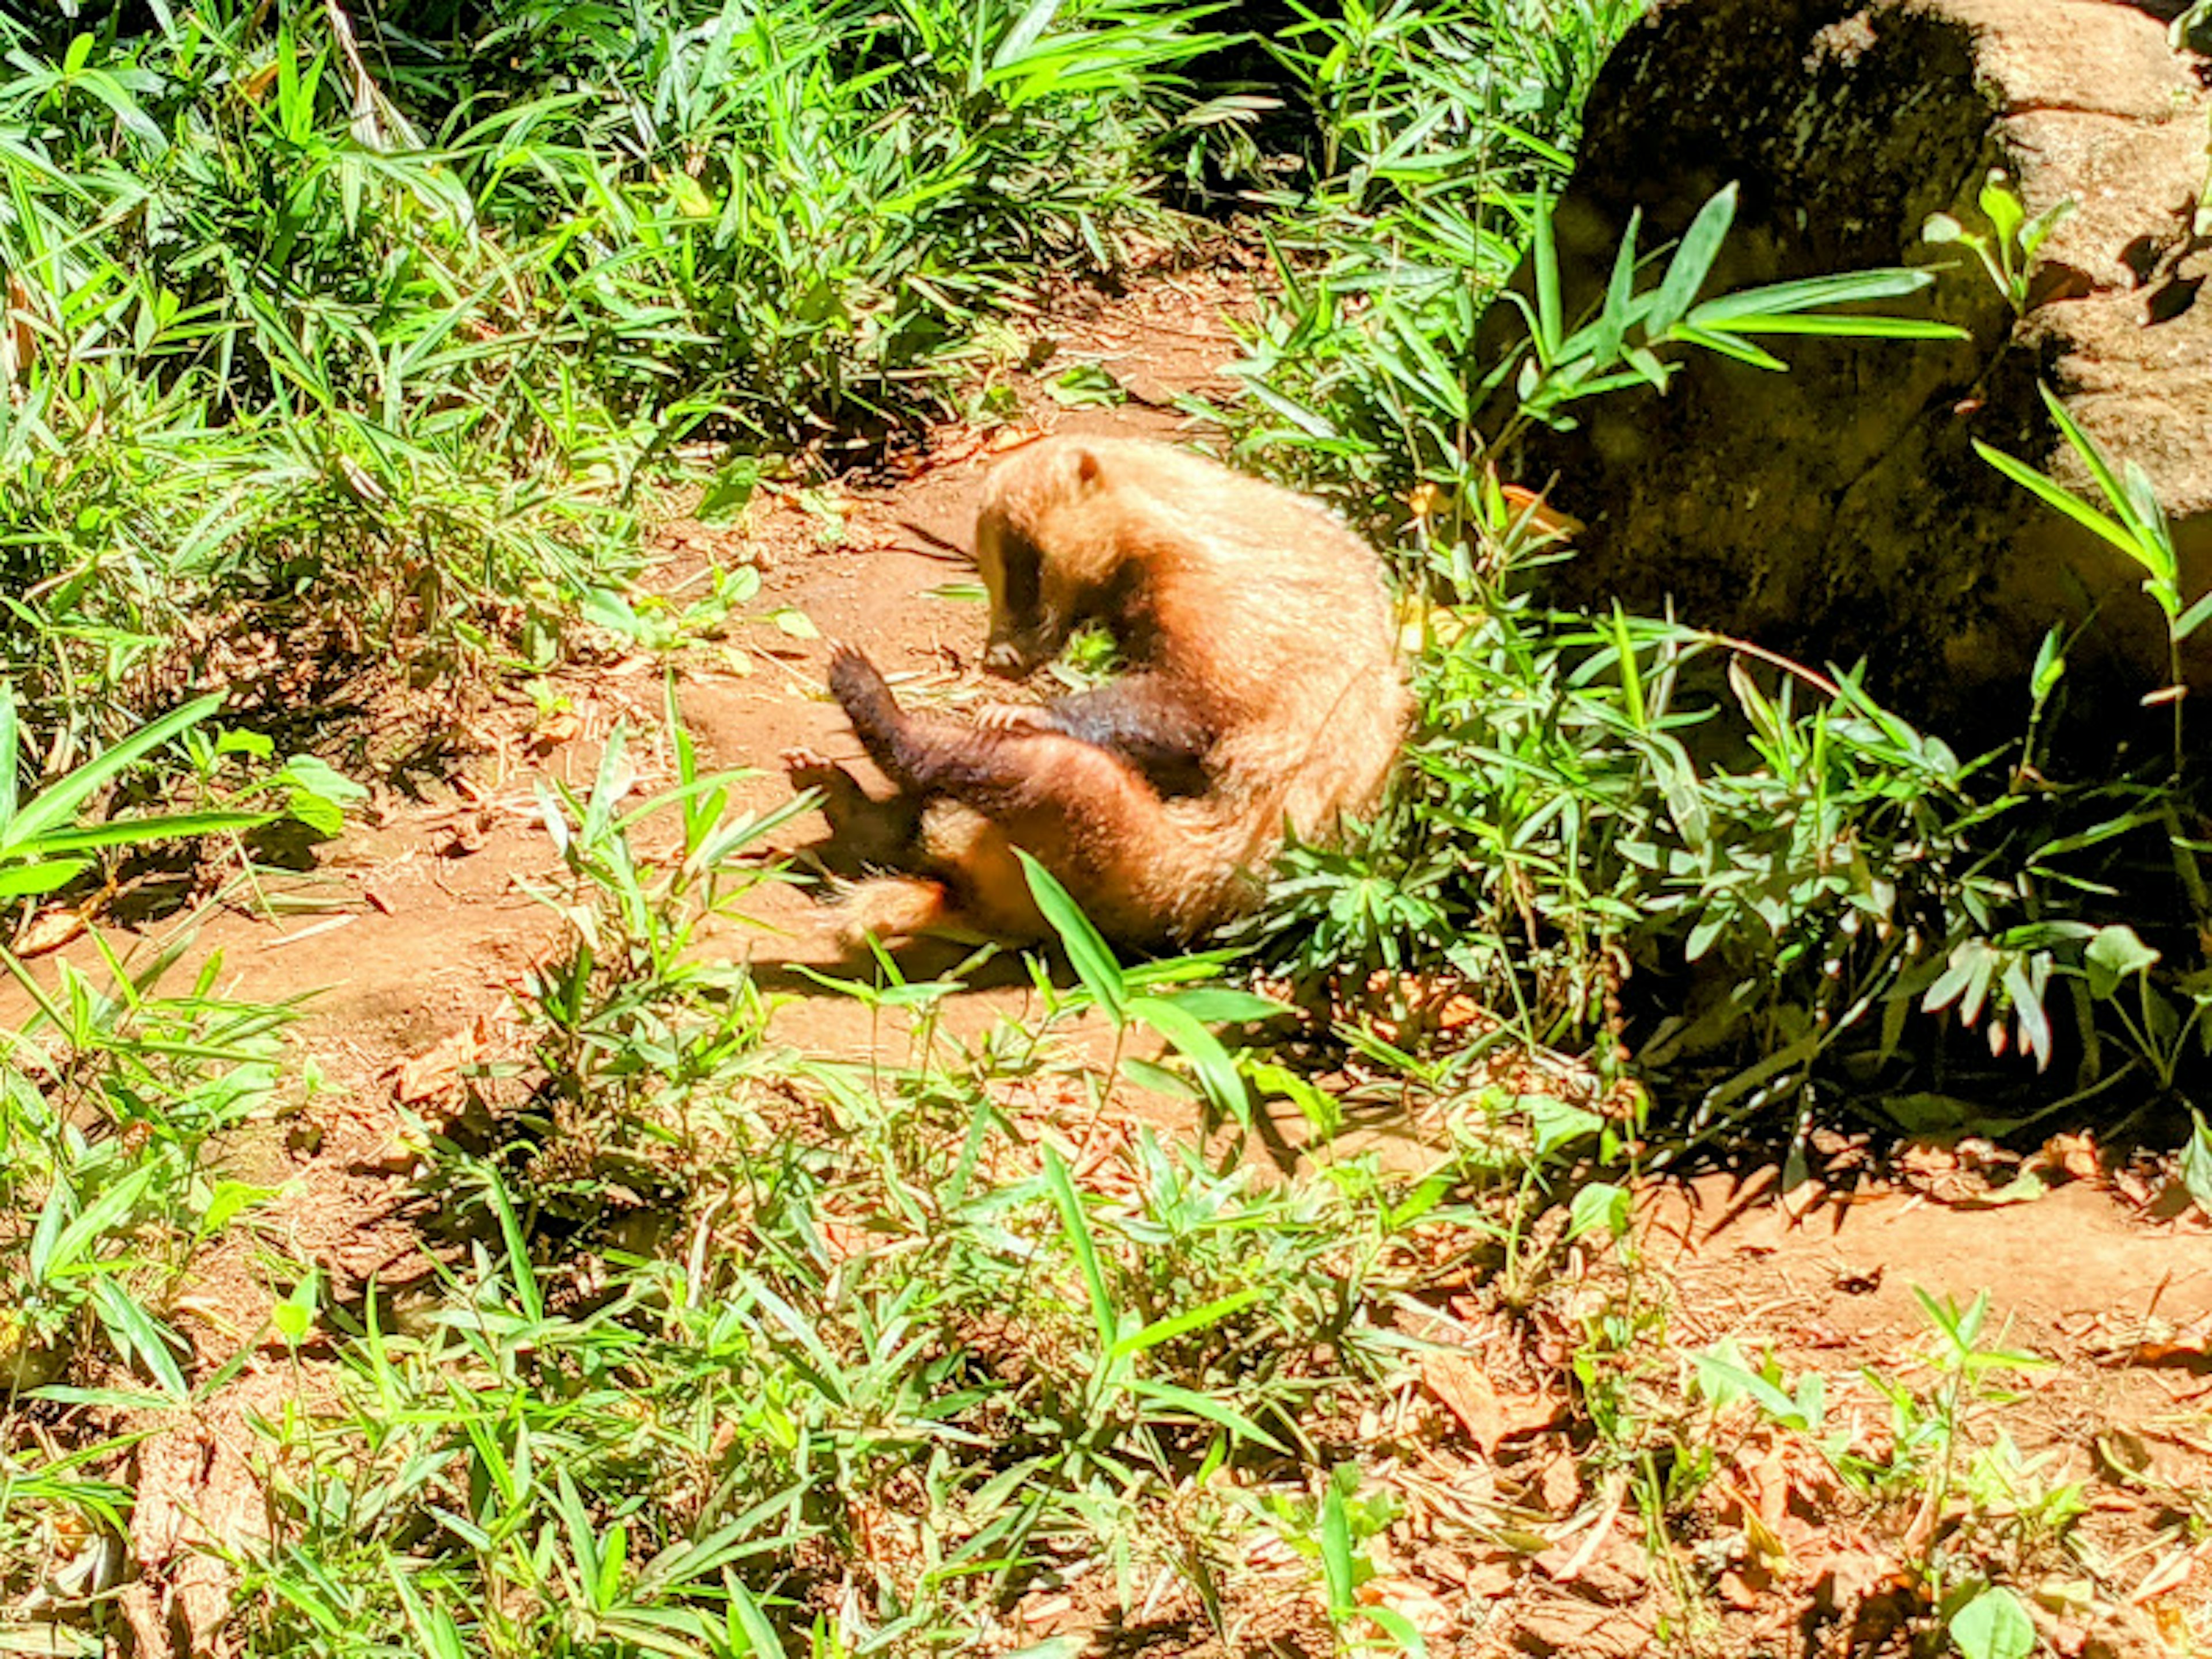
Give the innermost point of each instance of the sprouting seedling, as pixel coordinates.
(2008, 251)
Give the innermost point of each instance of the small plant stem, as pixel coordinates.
(1098, 1106)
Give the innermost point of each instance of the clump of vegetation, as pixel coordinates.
(1640, 836)
(898, 1369)
(359, 333)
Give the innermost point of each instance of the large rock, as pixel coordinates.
(1840, 511)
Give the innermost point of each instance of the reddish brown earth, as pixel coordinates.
(425, 925)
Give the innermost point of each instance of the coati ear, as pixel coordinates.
(1086, 468)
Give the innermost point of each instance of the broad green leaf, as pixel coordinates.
(2001, 205)
(1814, 293)
(433, 1625)
(2054, 494)
(1727, 346)
(2197, 1164)
(133, 832)
(1217, 1072)
(2193, 618)
(1722, 1377)
(1166, 1330)
(134, 1331)
(71, 1251)
(2049, 665)
(1556, 1122)
(1693, 260)
(1550, 327)
(58, 802)
(2115, 955)
(1076, 1224)
(22, 880)
(1993, 1626)
(1336, 1556)
(1599, 1204)
(9, 736)
(1201, 1406)
(1847, 325)
(1088, 953)
(1224, 1004)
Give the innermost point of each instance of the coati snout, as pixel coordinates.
(1263, 688)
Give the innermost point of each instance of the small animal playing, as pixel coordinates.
(1263, 691)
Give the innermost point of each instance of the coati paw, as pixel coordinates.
(855, 681)
(805, 766)
(888, 909)
(1001, 719)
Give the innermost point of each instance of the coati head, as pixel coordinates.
(1049, 547)
(1023, 633)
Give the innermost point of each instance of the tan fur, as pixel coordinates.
(1241, 606)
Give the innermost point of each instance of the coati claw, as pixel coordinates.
(1002, 718)
(803, 761)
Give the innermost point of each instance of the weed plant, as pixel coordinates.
(1819, 896)
(354, 333)
(116, 1098)
(1814, 901)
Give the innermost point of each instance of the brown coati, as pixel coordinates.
(1263, 688)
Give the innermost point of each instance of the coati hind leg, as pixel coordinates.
(1081, 811)
(976, 888)
(862, 829)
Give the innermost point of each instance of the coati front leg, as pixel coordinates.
(1138, 719)
(1145, 722)
(1001, 773)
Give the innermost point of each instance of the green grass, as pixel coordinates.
(887, 1363)
(365, 335)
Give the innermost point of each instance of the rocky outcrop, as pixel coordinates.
(1840, 511)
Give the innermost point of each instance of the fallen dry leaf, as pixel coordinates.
(1528, 504)
(1558, 1483)
(2169, 1574)
(1465, 1389)
(1531, 1413)
(2074, 1155)
(1492, 1573)
(435, 1073)
(555, 729)
(1925, 1160)
(2155, 1342)
(1412, 1598)
(1745, 1587)
(48, 930)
